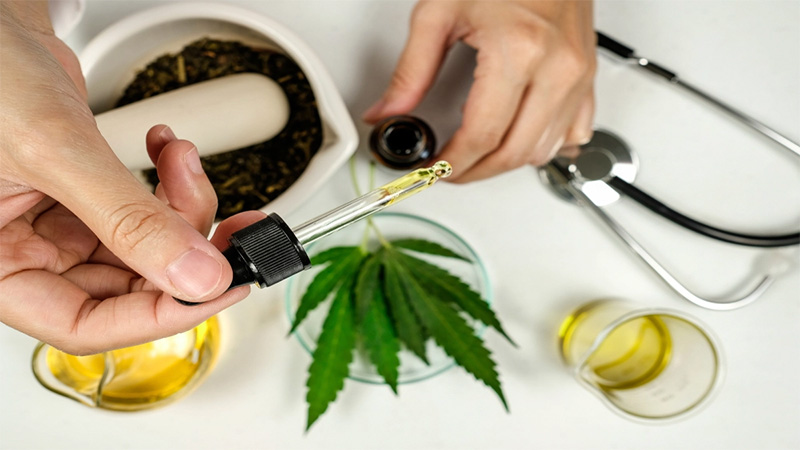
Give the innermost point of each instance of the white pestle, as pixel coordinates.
(218, 115)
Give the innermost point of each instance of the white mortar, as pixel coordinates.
(111, 60)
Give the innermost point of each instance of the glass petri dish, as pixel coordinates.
(392, 226)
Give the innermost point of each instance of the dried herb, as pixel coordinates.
(250, 177)
(388, 299)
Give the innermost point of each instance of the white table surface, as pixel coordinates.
(544, 256)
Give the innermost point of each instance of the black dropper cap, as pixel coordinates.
(263, 253)
(402, 142)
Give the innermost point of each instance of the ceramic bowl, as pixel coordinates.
(111, 60)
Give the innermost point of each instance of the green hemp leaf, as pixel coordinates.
(378, 332)
(409, 330)
(450, 288)
(431, 248)
(332, 356)
(386, 300)
(345, 262)
(449, 329)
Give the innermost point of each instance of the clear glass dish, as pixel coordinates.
(392, 226)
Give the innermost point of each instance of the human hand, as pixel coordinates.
(90, 260)
(532, 92)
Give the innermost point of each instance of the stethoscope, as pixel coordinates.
(604, 169)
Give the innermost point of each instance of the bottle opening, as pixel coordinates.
(402, 139)
(402, 142)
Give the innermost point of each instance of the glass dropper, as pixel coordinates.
(371, 202)
(269, 251)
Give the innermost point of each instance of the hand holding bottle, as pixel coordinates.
(533, 86)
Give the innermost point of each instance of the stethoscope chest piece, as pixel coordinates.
(606, 155)
(605, 167)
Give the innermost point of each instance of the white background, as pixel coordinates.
(544, 256)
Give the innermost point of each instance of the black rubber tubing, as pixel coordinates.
(623, 187)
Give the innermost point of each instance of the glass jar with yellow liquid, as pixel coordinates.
(133, 378)
(646, 363)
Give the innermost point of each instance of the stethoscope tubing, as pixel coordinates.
(751, 240)
(623, 51)
(623, 187)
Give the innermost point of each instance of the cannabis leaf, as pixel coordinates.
(333, 254)
(445, 286)
(448, 328)
(380, 340)
(344, 262)
(408, 328)
(333, 354)
(425, 246)
(367, 285)
(385, 299)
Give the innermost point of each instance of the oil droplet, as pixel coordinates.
(442, 169)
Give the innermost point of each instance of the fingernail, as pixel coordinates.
(192, 159)
(195, 273)
(586, 137)
(374, 110)
(167, 135)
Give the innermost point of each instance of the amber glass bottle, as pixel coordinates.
(402, 142)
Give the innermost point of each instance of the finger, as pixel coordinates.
(581, 131)
(104, 281)
(188, 192)
(185, 186)
(16, 201)
(62, 236)
(142, 317)
(80, 325)
(564, 117)
(419, 62)
(493, 102)
(224, 231)
(532, 140)
(160, 194)
(233, 224)
(569, 152)
(540, 127)
(101, 281)
(156, 138)
(102, 255)
(146, 234)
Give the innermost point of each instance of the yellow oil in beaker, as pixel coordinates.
(141, 376)
(631, 355)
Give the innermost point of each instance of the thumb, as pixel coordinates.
(418, 64)
(145, 233)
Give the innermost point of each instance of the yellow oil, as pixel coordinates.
(142, 376)
(416, 181)
(632, 355)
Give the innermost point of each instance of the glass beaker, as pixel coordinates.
(133, 378)
(645, 363)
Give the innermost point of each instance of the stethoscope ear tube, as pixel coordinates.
(623, 51)
(614, 46)
(623, 187)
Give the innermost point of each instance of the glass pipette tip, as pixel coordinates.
(371, 202)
